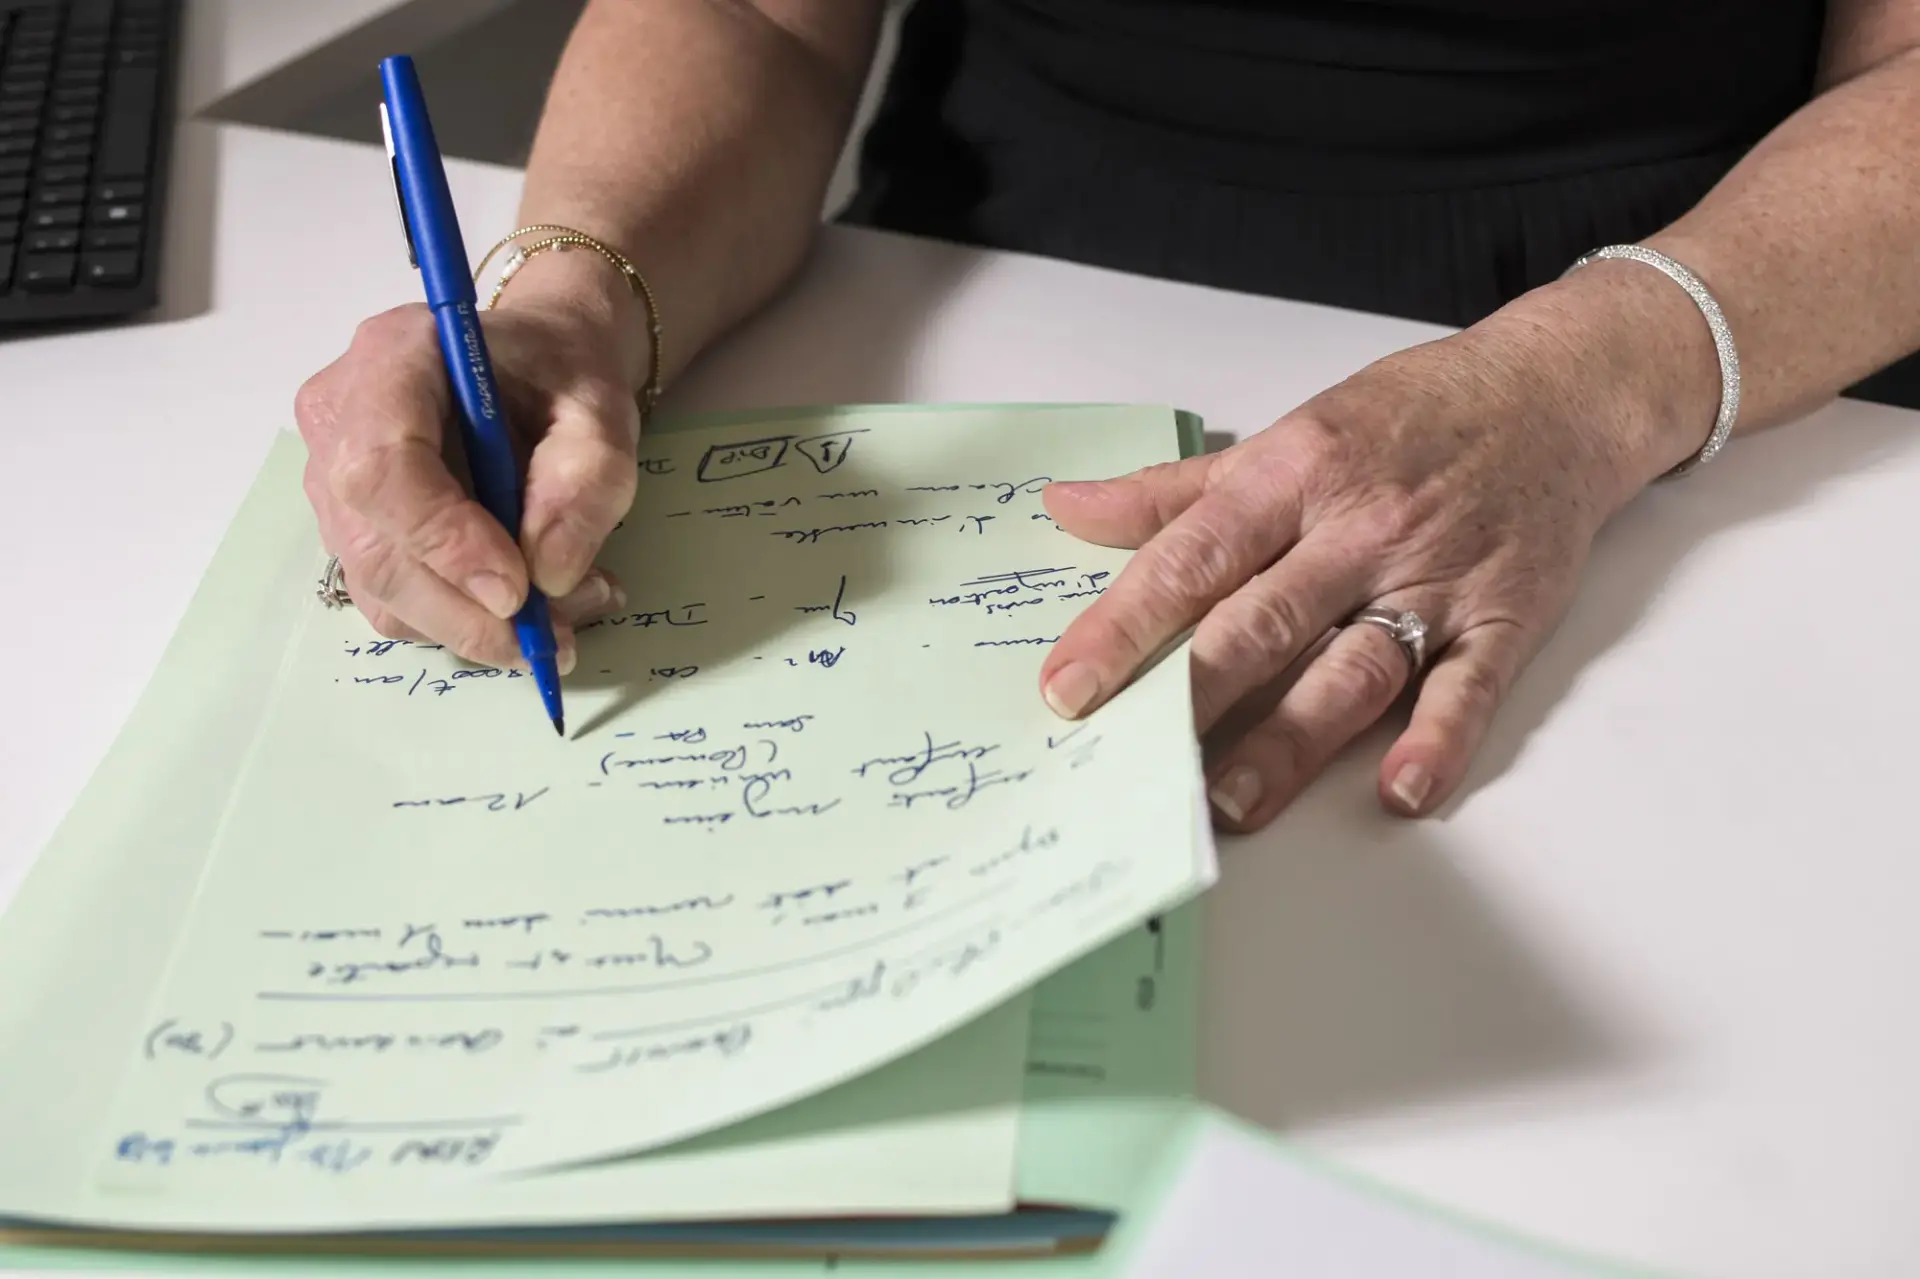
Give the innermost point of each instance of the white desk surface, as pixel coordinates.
(1647, 991)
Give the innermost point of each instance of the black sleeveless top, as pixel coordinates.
(1423, 158)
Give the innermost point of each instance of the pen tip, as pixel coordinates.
(559, 726)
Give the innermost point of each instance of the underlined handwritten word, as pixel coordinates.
(492, 802)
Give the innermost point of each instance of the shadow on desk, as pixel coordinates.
(1354, 971)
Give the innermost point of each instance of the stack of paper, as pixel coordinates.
(340, 949)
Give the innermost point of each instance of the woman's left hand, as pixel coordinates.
(1462, 480)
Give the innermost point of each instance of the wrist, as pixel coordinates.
(1631, 364)
(581, 293)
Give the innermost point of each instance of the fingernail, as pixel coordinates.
(616, 596)
(494, 594)
(1072, 689)
(1411, 786)
(565, 655)
(1236, 794)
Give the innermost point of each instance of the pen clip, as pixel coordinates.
(399, 204)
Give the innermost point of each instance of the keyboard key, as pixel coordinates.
(128, 136)
(52, 241)
(63, 173)
(11, 209)
(120, 192)
(124, 57)
(111, 270)
(75, 153)
(22, 87)
(53, 219)
(73, 78)
(116, 214)
(47, 272)
(10, 147)
(114, 237)
(56, 197)
(85, 15)
(75, 97)
(19, 126)
(12, 186)
(9, 231)
(12, 110)
(72, 124)
(13, 165)
(6, 264)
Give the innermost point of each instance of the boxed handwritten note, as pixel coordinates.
(753, 945)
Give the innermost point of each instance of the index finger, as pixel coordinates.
(580, 483)
(1203, 555)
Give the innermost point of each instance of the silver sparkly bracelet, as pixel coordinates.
(1716, 323)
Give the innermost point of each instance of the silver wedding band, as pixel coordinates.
(1408, 629)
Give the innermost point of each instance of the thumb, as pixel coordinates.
(580, 482)
(1129, 510)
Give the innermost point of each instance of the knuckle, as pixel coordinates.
(1285, 747)
(1373, 673)
(1189, 560)
(1262, 625)
(443, 532)
(1478, 688)
(384, 329)
(313, 403)
(313, 482)
(594, 470)
(372, 569)
(1390, 517)
(359, 473)
(1317, 440)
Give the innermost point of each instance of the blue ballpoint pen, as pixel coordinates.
(435, 248)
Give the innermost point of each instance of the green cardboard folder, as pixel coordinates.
(1109, 1040)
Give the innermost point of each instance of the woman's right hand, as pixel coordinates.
(422, 559)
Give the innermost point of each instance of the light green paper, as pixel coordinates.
(125, 861)
(39, 1193)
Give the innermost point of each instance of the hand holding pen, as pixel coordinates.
(423, 559)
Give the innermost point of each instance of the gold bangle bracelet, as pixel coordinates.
(562, 237)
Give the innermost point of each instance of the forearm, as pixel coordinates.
(698, 137)
(1808, 246)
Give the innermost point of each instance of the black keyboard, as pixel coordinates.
(86, 123)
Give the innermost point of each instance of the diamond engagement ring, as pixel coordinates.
(1409, 631)
(333, 585)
